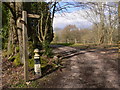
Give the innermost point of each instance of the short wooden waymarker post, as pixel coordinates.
(37, 65)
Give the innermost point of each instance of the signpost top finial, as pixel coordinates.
(36, 50)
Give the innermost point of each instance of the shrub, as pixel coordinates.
(17, 48)
(31, 63)
(48, 50)
(16, 61)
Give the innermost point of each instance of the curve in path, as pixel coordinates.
(87, 70)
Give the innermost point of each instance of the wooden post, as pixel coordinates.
(25, 53)
(119, 24)
(119, 27)
(118, 37)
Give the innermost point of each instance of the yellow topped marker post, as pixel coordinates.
(37, 65)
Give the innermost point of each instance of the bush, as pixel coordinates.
(48, 50)
(17, 48)
(31, 63)
(16, 61)
(44, 61)
(4, 53)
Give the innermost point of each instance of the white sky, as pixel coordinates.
(83, 0)
(74, 18)
(77, 18)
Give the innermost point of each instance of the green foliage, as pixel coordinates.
(0, 12)
(12, 58)
(31, 54)
(5, 25)
(4, 36)
(16, 61)
(84, 46)
(4, 54)
(31, 63)
(4, 45)
(5, 15)
(39, 8)
(20, 85)
(64, 44)
(44, 60)
(31, 48)
(17, 48)
(48, 50)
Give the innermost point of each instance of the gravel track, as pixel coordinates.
(87, 69)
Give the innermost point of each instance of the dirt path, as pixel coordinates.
(86, 69)
(89, 68)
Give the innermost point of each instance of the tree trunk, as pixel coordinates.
(102, 38)
(9, 48)
(19, 28)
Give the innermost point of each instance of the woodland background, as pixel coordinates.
(104, 32)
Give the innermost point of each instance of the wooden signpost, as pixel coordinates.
(25, 39)
(119, 25)
(25, 51)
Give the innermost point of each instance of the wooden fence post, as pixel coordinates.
(25, 51)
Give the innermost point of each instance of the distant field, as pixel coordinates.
(64, 44)
(89, 45)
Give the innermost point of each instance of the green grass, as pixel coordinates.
(95, 46)
(87, 46)
(64, 44)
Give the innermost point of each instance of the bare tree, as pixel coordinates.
(103, 15)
